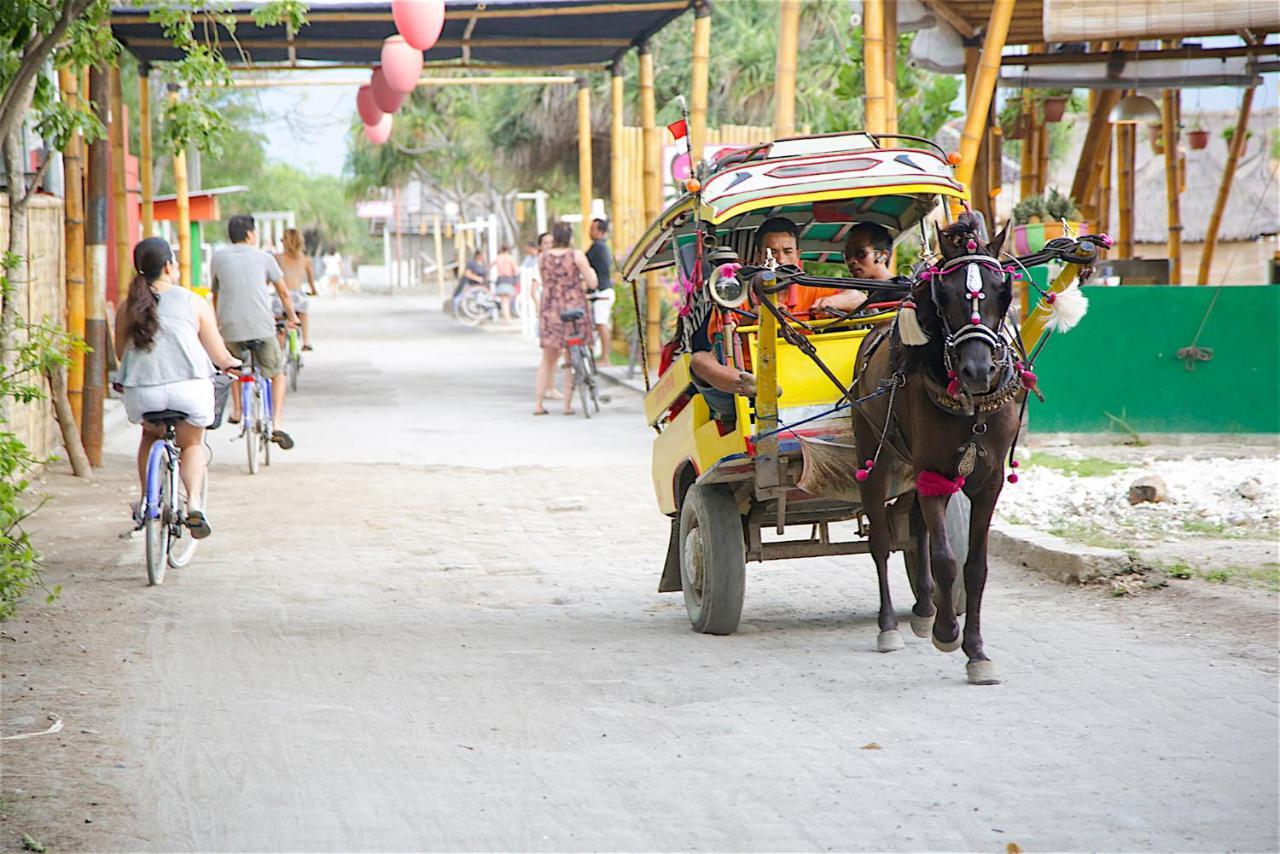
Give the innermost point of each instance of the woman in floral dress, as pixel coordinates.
(566, 277)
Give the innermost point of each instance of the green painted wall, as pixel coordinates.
(1122, 359)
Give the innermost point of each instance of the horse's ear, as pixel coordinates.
(997, 245)
(944, 243)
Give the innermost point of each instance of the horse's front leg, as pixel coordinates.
(946, 629)
(880, 542)
(980, 670)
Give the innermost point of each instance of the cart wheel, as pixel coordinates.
(713, 570)
(957, 521)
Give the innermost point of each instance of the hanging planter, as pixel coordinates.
(387, 98)
(1198, 139)
(368, 110)
(1157, 138)
(419, 21)
(1054, 107)
(380, 131)
(401, 64)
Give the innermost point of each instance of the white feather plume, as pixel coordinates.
(909, 328)
(1067, 309)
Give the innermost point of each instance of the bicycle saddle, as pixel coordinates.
(166, 417)
(572, 315)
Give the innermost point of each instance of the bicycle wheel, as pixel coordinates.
(156, 527)
(580, 378)
(474, 306)
(183, 546)
(251, 417)
(589, 371)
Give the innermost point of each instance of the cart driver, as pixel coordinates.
(868, 249)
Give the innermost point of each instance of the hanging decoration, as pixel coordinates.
(380, 131)
(365, 106)
(419, 21)
(387, 98)
(401, 64)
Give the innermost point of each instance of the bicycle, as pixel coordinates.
(164, 504)
(582, 361)
(479, 303)
(293, 354)
(256, 412)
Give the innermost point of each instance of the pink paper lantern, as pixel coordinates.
(379, 132)
(365, 106)
(401, 64)
(419, 21)
(387, 98)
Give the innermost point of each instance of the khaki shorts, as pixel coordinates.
(266, 353)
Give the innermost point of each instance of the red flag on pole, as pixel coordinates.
(679, 129)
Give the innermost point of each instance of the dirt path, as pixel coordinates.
(453, 643)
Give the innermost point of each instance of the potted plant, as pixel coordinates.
(1055, 104)
(1228, 133)
(1014, 124)
(1198, 137)
(1038, 219)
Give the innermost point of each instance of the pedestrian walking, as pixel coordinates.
(566, 277)
(507, 276)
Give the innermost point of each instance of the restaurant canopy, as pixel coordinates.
(511, 33)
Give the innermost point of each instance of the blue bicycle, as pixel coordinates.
(165, 503)
(257, 413)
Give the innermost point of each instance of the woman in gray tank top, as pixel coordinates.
(167, 341)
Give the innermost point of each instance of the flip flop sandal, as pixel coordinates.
(233, 420)
(198, 524)
(283, 439)
(539, 412)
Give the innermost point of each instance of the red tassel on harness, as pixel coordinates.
(931, 484)
(953, 384)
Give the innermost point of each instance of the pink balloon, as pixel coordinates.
(365, 106)
(379, 132)
(401, 64)
(387, 98)
(419, 21)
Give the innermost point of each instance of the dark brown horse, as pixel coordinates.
(947, 423)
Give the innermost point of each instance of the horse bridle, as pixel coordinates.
(976, 330)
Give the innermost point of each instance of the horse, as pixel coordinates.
(946, 392)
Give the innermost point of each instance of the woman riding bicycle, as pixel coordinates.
(166, 337)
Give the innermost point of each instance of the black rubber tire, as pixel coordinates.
(580, 379)
(713, 571)
(958, 510)
(157, 536)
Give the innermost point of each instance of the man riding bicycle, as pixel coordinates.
(241, 274)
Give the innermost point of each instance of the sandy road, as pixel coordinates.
(452, 642)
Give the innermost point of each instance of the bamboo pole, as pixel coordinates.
(1088, 168)
(73, 181)
(975, 122)
(1028, 160)
(1170, 120)
(584, 158)
(184, 205)
(95, 325)
(617, 177)
(784, 81)
(1126, 151)
(699, 80)
(119, 189)
(145, 153)
(873, 63)
(652, 204)
(1102, 221)
(890, 66)
(1224, 191)
(439, 248)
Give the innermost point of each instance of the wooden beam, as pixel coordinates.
(699, 80)
(425, 82)
(145, 153)
(1170, 128)
(73, 234)
(584, 158)
(1238, 141)
(1130, 55)
(873, 64)
(251, 45)
(124, 18)
(183, 201)
(119, 136)
(784, 81)
(1126, 150)
(949, 17)
(1087, 170)
(984, 88)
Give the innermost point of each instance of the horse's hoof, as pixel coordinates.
(922, 627)
(982, 673)
(948, 646)
(890, 641)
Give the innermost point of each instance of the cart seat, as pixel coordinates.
(572, 314)
(164, 417)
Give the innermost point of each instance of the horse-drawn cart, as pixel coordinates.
(736, 484)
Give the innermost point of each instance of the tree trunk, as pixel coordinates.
(18, 248)
(57, 376)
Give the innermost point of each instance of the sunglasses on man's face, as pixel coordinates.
(859, 253)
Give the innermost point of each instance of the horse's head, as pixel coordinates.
(962, 302)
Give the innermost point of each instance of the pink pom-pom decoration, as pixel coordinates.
(869, 465)
(1107, 240)
(1051, 298)
(972, 245)
(861, 475)
(953, 384)
(1014, 464)
(1029, 378)
(1013, 477)
(975, 318)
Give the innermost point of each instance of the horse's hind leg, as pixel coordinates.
(873, 489)
(923, 612)
(946, 629)
(979, 669)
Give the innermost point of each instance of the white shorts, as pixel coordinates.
(194, 397)
(299, 299)
(602, 307)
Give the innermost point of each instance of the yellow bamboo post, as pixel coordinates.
(1102, 223)
(890, 66)
(1169, 119)
(119, 193)
(873, 63)
(144, 150)
(584, 158)
(73, 181)
(784, 81)
(183, 203)
(1044, 151)
(1029, 158)
(699, 79)
(1126, 150)
(95, 307)
(439, 247)
(1224, 191)
(617, 177)
(1087, 169)
(652, 203)
(975, 122)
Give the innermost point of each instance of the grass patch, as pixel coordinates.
(1088, 536)
(1264, 576)
(1087, 467)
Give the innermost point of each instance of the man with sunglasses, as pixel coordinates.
(868, 249)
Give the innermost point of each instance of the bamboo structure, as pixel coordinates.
(784, 83)
(1102, 218)
(119, 138)
(975, 122)
(145, 153)
(1092, 153)
(95, 325)
(1126, 151)
(439, 249)
(1028, 160)
(73, 181)
(873, 63)
(652, 203)
(699, 80)
(584, 159)
(891, 66)
(183, 201)
(1044, 148)
(1224, 191)
(1170, 127)
(617, 160)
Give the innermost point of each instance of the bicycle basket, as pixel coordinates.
(221, 393)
